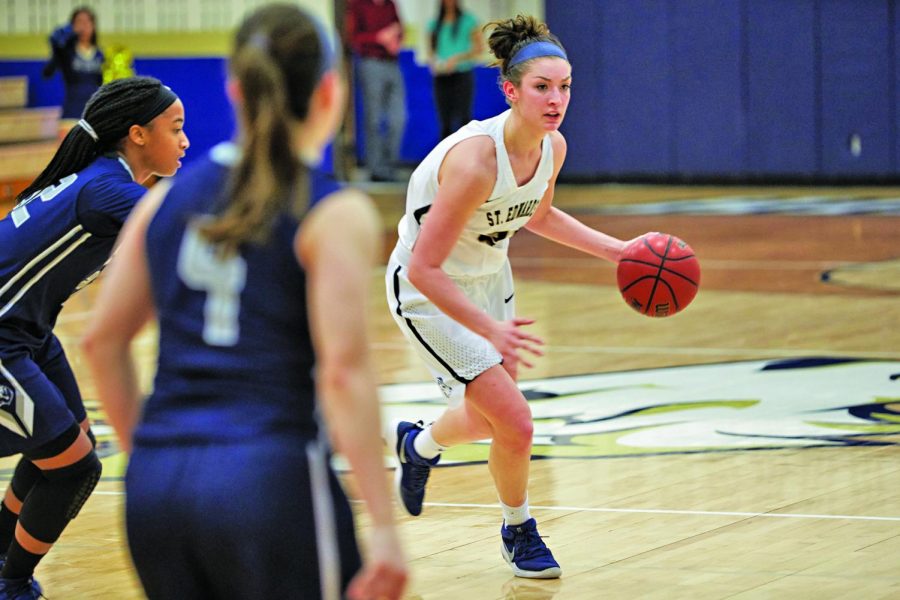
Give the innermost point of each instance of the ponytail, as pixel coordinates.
(268, 171)
(279, 57)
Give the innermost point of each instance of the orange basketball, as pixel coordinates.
(658, 275)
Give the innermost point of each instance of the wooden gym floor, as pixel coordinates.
(674, 465)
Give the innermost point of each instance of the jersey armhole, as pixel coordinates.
(437, 173)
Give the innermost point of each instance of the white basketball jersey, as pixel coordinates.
(482, 246)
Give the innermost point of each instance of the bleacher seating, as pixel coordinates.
(28, 139)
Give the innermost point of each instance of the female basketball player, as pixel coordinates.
(53, 242)
(256, 268)
(450, 287)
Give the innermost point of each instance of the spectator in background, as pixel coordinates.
(375, 35)
(455, 45)
(77, 56)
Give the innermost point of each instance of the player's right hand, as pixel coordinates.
(510, 339)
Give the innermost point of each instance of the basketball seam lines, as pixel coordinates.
(654, 252)
(662, 261)
(666, 269)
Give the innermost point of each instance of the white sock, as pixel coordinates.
(425, 446)
(515, 515)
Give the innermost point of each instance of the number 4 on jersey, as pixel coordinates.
(202, 268)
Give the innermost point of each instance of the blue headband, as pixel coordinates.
(536, 50)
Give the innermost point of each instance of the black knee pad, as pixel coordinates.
(58, 497)
(80, 478)
(24, 478)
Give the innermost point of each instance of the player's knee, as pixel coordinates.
(525, 431)
(516, 433)
(77, 481)
(58, 498)
(24, 477)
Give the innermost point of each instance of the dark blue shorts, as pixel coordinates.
(39, 397)
(244, 520)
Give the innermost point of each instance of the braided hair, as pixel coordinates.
(111, 112)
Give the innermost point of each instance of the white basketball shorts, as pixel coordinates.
(453, 353)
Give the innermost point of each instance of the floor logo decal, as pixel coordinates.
(722, 407)
(704, 408)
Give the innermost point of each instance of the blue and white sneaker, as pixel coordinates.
(526, 552)
(20, 589)
(412, 473)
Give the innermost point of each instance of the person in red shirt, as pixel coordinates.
(375, 35)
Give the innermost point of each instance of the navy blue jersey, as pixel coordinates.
(56, 241)
(235, 355)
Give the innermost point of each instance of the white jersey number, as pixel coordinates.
(20, 213)
(201, 268)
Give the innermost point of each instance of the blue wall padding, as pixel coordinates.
(856, 41)
(633, 44)
(582, 46)
(895, 88)
(746, 89)
(200, 83)
(489, 100)
(710, 132)
(781, 88)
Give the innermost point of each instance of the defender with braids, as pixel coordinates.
(450, 287)
(262, 317)
(53, 242)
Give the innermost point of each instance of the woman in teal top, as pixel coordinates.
(455, 45)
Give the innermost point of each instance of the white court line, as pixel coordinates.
(760, 352)
(665, 511)
(652, 511)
